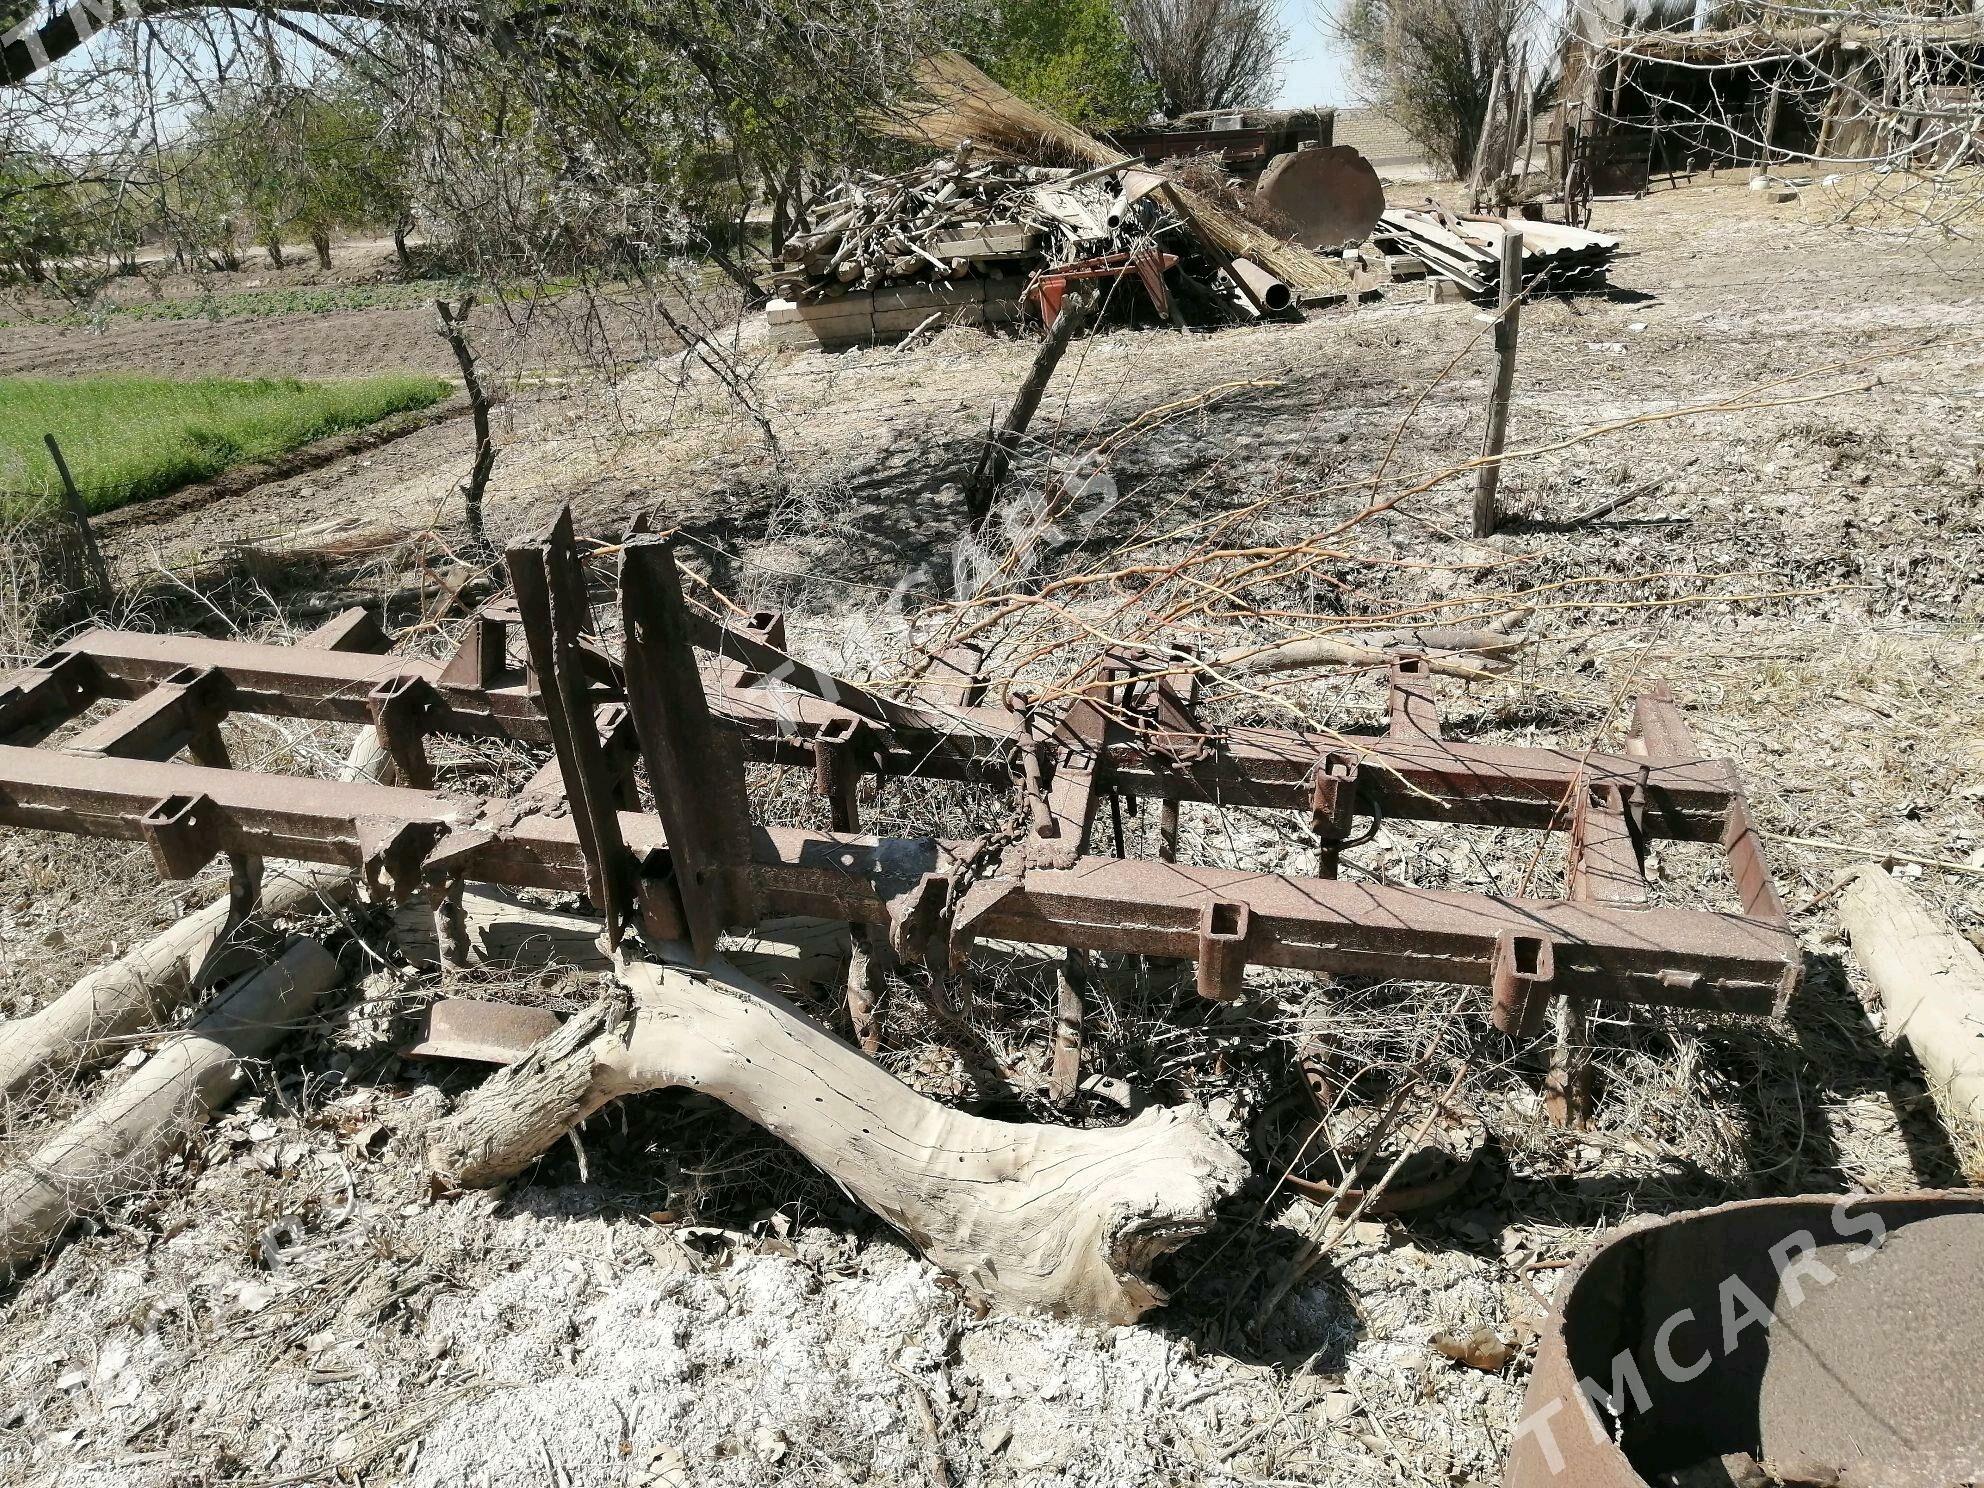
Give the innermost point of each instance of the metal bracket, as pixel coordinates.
(183, 834)
(392, 855)
(398, 706)
(1224, 929)
(918, 918)
(842, 751)
(1520, 971)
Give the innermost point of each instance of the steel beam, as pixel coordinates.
(694, 769)
(1671, 957)
(1411, 776)
(551, 594)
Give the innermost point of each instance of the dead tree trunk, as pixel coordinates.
(116, 1146)
(95, 1018)
(1045, 1217)
(1931, 982)
(1445, 647)
(454, 328)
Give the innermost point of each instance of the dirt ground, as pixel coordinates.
(354, 319)
(691, 1306)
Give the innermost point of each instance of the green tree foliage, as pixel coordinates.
(278, 160)
(1071, 56)
(39, 224)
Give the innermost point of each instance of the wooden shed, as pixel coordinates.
(1644, 103)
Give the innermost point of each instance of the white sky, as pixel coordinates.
(1315, 73)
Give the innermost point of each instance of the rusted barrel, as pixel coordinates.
(1819, 1339)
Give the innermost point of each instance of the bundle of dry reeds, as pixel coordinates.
(956, 105)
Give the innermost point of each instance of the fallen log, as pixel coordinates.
(1444, 646)
(1035, 1217)
(116, 1146)
(1931, 982)
(94, 1020)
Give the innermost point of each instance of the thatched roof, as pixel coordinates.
(1749, 44)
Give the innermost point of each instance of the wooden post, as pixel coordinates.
(79, 514)
(1770, 122)
(1489, 478)
(1076, 309)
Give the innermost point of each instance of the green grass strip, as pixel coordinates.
(126, 438)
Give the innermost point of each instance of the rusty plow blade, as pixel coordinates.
(1819, 1340)
(483, 1032)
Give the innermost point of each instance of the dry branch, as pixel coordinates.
(1045, 1217)
(1438, 642)
(116, 1146)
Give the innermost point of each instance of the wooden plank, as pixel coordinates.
(994, 240)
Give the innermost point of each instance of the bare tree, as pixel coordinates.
(1434, 64)
(1208, 54)
(453, 320)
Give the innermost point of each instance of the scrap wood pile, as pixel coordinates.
(1468, 249)
(942, 220)
(952, 241)
(1018, 196)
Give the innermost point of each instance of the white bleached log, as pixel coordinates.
(95, 1019)
(116, 1146)
(1931, 982)
(1052, 1218)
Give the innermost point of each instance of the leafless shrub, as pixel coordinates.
(1433, 64)
(1208, 54)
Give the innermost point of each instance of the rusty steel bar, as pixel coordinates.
(49, 691)
(159, 724)
(352, 630)
(693, 769)
(1414, 706)
(699, 864)
(1661, 956)
(551, 594)
(1413, 777)
(1605, 859)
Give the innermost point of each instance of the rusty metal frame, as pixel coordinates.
(697, 864)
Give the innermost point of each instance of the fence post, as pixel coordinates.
(1488, 478)
(72, 499)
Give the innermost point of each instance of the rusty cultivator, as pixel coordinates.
(533, 668)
